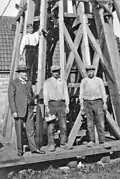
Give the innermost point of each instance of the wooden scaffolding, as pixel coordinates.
(85, 36)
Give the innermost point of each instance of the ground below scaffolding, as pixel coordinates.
(96, 170)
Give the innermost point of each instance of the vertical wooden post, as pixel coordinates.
(61, 38)
(85, 44)
(8, 128)
(29, 14)
(74, 6)
(42, 47)
(114, 58)
(117, 7)
(65, 5)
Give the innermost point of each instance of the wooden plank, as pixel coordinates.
(70, 15)
(117, 7)
(42, 48)
(8, 127)
(65, 5)
(113, 56)
(71, 55)
(73, 48)
(113, 124)
(73, 85)
(61, 39)
(85, 45)
(74, 131)
(96, 47)
(76, 152)
(111, 85)
(29, 14)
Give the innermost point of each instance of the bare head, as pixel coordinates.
(29, 28)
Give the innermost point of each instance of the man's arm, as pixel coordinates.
(66, 94)
(23, 44)
(81, 92)
(103, 92)
(11, 97)
(45, 94)
(46, 97)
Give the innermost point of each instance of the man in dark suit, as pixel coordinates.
(21, 102)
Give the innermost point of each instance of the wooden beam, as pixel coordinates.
(73, 48)
(71, 55)
(113, 124)
(74, 131)
(8, 127)
(117, 7)
(85, 44)
(42, 48)
(61, 38)
(29, 14)
(98, 50)
(113, 56)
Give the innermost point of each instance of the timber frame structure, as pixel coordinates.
(85, 37)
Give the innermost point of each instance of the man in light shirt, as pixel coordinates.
(29, 46)
(93, 100)
(56, 100)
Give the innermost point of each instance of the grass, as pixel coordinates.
(87, 171)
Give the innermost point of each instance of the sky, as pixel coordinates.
(12, 11)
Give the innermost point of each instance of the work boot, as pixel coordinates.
(90, 144)
(52, 148)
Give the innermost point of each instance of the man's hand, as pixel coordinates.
(82, 109)
(47, 111)
(67, 109)
(15, 115)
(105, 107)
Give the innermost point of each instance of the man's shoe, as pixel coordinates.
(38, 152)
(107, 145)
(20, 154)
(64, 146)
(90, 144)
(52, 148)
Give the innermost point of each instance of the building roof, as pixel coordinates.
(7, 34)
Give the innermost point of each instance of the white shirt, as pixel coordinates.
(55, 89)
(92, 89)
(29, 39)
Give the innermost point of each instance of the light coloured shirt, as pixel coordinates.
(55, 89)
(29, 39)
(22, 80)
(92, 89)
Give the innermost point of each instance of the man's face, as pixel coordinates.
(56, 74)
(23, 75)
(30, 30)
(90, 73)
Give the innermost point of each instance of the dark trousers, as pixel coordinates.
(95, 116)
(57, 108)
(31, 56)
(29, 126)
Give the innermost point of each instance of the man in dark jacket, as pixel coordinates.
(21, 102)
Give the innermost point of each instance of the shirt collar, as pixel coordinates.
(54, 79)
(22, 80)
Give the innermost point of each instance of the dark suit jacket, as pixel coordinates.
(18, 99)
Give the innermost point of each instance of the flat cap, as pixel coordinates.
(90, 67)
(55, 68)
(22, 68)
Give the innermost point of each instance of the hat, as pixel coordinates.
(90, 67)
(55, 68)
(22, 68)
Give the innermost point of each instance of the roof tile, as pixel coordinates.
(6, 42)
